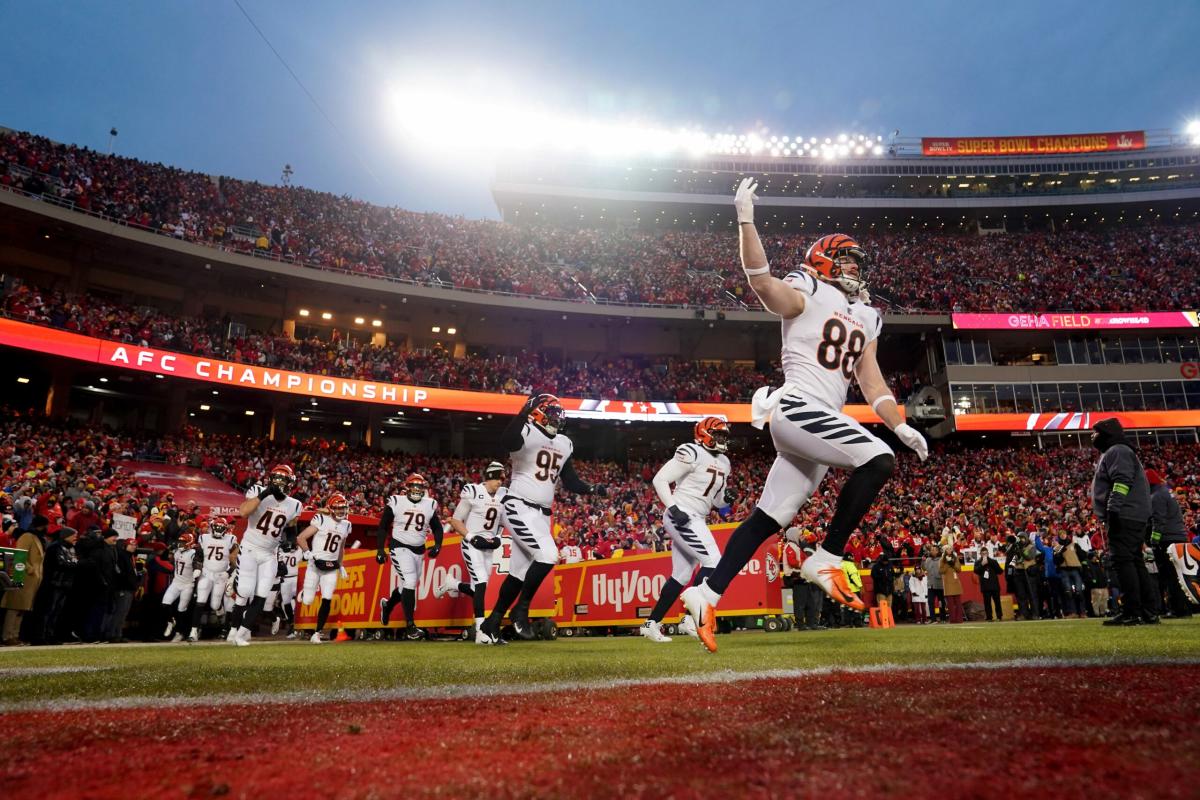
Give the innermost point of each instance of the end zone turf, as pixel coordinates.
(936, 720)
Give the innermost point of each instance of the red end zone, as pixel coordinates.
(952, 733)
(619, 591)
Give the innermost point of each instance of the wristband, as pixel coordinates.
(744, 223)
(756, 270)
(878, 400)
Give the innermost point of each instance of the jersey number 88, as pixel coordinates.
(838, 350)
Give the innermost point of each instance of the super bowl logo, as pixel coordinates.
(772, 568)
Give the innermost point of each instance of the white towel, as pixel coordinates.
(763, 404)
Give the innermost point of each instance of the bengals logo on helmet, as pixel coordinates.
(339, 507)
(547, 413)
(712, 433)
(830, 255)
(415, 486)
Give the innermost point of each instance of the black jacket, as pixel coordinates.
(127, 577)
(1166, 519)
(1119, 488)
(59, 565)
(988, 572)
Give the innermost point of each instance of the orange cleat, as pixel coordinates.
(704, 614)
(832, 580)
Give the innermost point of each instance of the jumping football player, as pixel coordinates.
(830, 335)
(699, 472)
(326, 535)
(268, 510)
(477, 519)
(218, 548)
(179, 593)
(541, 455)
(407, 521)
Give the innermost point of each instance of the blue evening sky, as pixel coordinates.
(192, 84)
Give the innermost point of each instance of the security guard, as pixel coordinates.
(1166, 529)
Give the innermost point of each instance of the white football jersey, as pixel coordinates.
(185, 565)
(410, 521)
(822, 345)
(291, 562)
(216, 551)
(571, 554)
(479, 511)
(264, 527)
(329, 541)
(536, 465)
(699, 476)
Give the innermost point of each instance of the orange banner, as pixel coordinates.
(1033, 145)
(249, 376)
(1075, 420)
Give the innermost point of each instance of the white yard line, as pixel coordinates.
(460, 691)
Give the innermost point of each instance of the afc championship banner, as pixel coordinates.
(250, 376)
(618, 591)
(1102, 320)
(1032, 145)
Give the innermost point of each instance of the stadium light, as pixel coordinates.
(304, 419)
(376, 323)
(1193, 130)
(451, 331)
(304, 312)
(326, 315)
(22, 380)
(205, 407)
(359, 320)
(347, 423)
(249, 412)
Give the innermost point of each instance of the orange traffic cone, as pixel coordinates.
(343, 636)
(875, 617)
(885, 616)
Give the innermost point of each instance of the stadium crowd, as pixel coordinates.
(65, 483)
(1132, 267)
(341, 356)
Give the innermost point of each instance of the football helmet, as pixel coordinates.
(416, 487)
(186, 541)
(830, 257)
(494, 472)
(547, 414)
(712, 433)
(338, 506)
(281, 476)
(218, 526)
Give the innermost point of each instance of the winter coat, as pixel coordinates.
(948, 569)
(1119, 487)
(22, 599)
(988, 571)
(1166, 520)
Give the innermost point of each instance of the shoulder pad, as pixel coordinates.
(687, 453)
(317, 520)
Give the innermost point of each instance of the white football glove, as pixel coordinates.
(345, 574)
(912, 439)
(743, 201)
(306, 555)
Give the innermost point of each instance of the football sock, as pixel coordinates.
(289, 614)
(235, 616)
(855, 500)
(250, 619)
(701, 575)
(195, 615)
(393, 598)
(508, 593)
(467, 589)
(748, 537)
(478, 599)
(534, 576)
(408, 599)
(666, 599)
(323, 613)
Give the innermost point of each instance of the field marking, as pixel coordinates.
(459, 691)
(21, 672)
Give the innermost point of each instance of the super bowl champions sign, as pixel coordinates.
(1033, 145)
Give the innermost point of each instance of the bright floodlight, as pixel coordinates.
(1193, 128)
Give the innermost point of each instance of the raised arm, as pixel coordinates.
(776, 296)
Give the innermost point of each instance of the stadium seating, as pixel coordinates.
(1133, 267)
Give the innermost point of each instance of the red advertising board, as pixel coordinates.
(1103, 320)
(1032, 145)
(188, 485)
(618, 591)
(228, 373)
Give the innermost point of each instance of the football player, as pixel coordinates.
(477, 519)
(699, 472)
(179, 593)
(269, 511)
(281, 602)
(541, 455)
(830, 336)
(407, 521)
(218, 548)
(326, 536)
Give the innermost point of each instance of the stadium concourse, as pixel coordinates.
(1101, 268)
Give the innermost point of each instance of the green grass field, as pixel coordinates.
(161, 671)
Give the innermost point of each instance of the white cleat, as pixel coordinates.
(231, 637)
(194, 636)
(316, 638)
(275, 626)
(688, 626)
(483, 638)
(292, 635)
(703, 616)
(177, 638)
(652, 631)
(242, 639)
(170, 629)
(442, 589)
